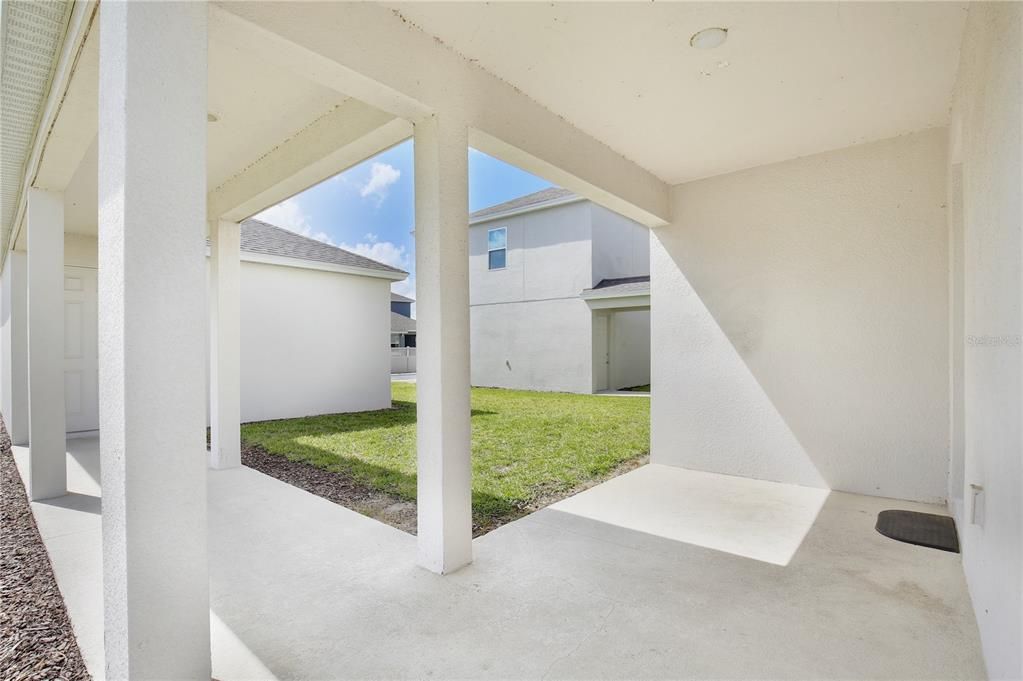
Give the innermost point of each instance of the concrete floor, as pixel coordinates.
(660, 573)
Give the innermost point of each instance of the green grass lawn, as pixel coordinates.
(528, 448)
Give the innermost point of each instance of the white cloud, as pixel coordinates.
(289, 215)
(381, 176)
(371, 237)
(382, 251)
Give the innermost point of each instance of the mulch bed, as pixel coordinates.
(388, 508)
(336, 487)
(36, 639)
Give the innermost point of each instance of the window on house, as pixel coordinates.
(497, 248)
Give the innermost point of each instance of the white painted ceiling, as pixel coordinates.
(791, 80)
(257, 105)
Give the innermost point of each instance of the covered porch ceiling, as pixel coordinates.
(792, 79)
(788, 82)
(266, 138)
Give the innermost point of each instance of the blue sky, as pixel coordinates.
(369, 209)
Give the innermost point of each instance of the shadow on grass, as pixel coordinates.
(289, 438)
(488, 510)
(400, 414)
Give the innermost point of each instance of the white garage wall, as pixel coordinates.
(986, 148)
(539, 345)
(630, 348)
(312, 342)
(799, 322)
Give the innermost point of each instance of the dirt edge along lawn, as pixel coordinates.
(530, 449)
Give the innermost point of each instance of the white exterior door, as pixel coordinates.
(601, 351)
(81, 365)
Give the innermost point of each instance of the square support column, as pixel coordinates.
(442, 306)
(47, 439)
(15, 347)
(152, 338)
(225, 345)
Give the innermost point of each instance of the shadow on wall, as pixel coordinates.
(808, 322)
(723, 421)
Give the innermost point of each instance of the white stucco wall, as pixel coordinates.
(80, 250)
(986, 148)
(14, 346)
(548, 256)
(529, 328)
(620, 247)
(630, 348)
(312, 342)
(799, 322)
(538, 345)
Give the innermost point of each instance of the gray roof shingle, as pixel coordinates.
(402, 324)
(542, 196)
(398, 298)
(267, 239)
(622, 286)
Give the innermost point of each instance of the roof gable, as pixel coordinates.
(262, 237)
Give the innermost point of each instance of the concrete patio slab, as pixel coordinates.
(304, 589)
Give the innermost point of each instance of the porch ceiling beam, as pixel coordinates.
(347, 135)
(373, 53)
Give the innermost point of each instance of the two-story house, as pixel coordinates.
(559, 294)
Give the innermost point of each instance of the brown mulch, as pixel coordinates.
(388, 508)
(336, 487)
(36, 639)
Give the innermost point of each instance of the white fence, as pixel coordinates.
(403, 360)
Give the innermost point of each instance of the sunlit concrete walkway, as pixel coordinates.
(661, 573)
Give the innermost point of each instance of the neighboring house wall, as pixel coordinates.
(402, 308)
(548, 256)
(986, 154)
(799, 322)
(620, 247)
(297, 359)
(539, 345)
(529, 328)
(312, 342)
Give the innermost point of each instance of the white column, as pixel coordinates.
(152, 338)
(15, 344)
(225, 345)
(47, 440)
(442, 312)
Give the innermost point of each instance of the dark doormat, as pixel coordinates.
(922, 529)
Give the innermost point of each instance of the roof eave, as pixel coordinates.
(527, 209)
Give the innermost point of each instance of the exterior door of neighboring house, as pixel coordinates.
(601, 351)
(81, 362)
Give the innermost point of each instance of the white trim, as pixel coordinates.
(527, 209)
(300, 263)
(79, 23)
(598, 294)
(495, 250)
(619, 302)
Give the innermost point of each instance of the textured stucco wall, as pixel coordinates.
(986, 148)
(529, 329)
(799, 322)
(312, 342)
(539, 345)
(548, 256)
(620, 247)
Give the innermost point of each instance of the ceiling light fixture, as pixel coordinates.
(709, 38)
